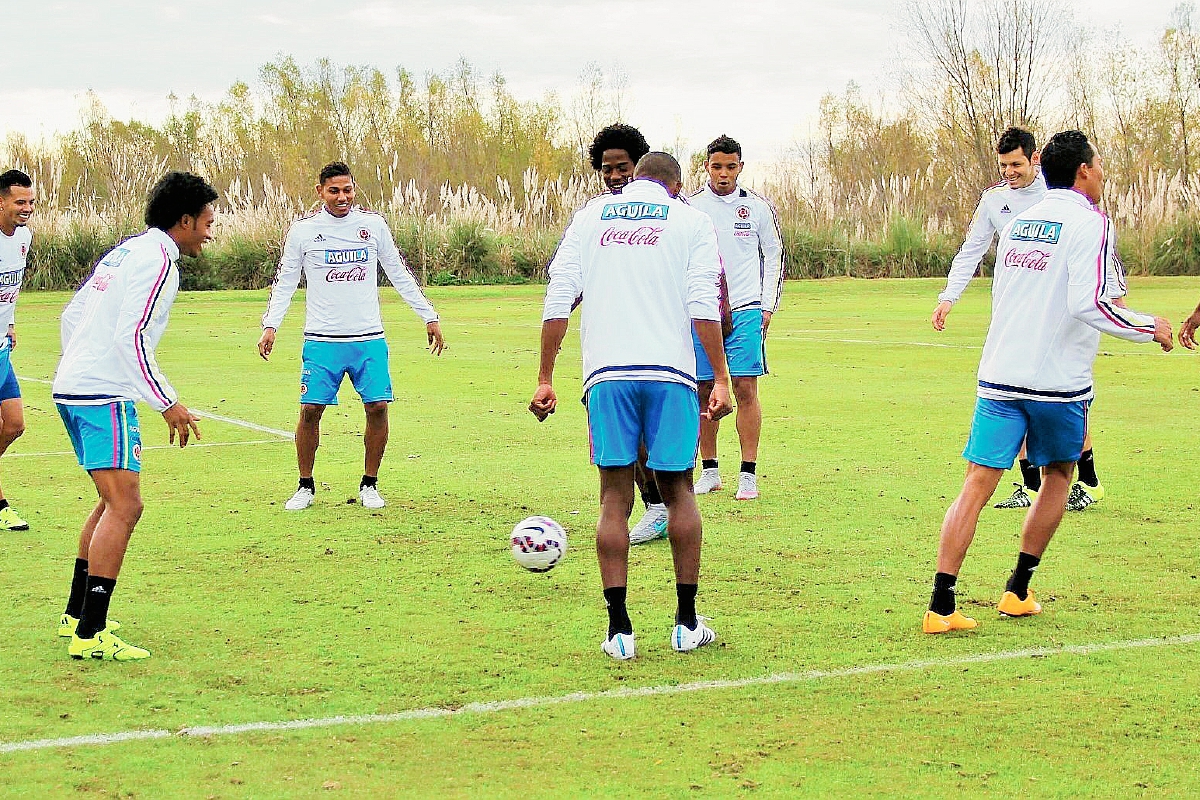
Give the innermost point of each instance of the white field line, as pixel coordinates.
(241, 423)
(496, 706)
(49, 453)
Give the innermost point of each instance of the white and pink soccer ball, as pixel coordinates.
(538, 543)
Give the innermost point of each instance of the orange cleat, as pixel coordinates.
(936, 623)
(1012, 606)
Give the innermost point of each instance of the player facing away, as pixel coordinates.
(752, 250)
(1021, 186)
(647, 264)
(16, 207)
(614, 154)
(110, 331)
(337, 248)
(1050, 303)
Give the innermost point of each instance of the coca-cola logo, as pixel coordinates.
(644, 236)
(101, 282)
(347, 275)
(9, 296)
(1035, 260)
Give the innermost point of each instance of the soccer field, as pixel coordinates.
(429, 664)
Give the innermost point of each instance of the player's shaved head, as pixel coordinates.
(661, 167)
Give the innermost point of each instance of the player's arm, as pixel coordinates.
(135, 348)
(287, 278)
(403, 280)
(1088, 292)
(770, 248)
(566, 284)
(703, 279)
(966, 261)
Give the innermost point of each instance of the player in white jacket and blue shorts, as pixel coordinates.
(110, 331)
(338, 249)
(751, 245)
(1050, 304)
(647, 265)
(16, 207)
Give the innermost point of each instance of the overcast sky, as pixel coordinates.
(696, 68)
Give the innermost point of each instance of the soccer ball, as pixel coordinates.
(538, 543)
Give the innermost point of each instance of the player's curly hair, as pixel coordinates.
(618, 137)
(332, 170)
(176, 195)
(1062, 156)
(1015, 138)
(723, 144)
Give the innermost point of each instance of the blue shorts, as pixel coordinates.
(9, 388)
(1052, 432)
(664, 416)
(326, 363)
(745, 351)
(104, 437)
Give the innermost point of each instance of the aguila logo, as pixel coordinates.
(743, 212)
(1036, 260)
(644, 236)
(346, 275)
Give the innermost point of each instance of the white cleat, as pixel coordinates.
(653, 525)
(710, 481)
(621, 646)
(302, 499)
(370, 498)
(747, 486)
(684, 639)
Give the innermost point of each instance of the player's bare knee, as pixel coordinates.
(745, 390)
(377, 410)
(310, 413)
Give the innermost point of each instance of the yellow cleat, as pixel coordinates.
(105, 646)
(936, 623)
(67, 625)
(1012, 606)
(10, 520)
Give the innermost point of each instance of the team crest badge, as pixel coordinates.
(137, 452)
(364, 234)
(23, 249)
(743, 212)
(303, 389)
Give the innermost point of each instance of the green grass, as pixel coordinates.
(257, 615)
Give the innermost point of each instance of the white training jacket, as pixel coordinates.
(111, 328)
(648, 265)
(13, 252)
(338, 256)
(1051, 302)
(751, 245)
(998, 206)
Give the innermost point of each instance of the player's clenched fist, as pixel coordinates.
(544, 401)
(266, 343)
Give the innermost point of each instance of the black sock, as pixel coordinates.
(749, 466)
(78, 589)
(942, 601)
(3, 504)
(1087, 469)
(685, 614)
(708, 463)
(367, 480)
(618, 617)
(308, 483)
(1031, 476)
(650, 494)
(1018, 583)
(95, 607)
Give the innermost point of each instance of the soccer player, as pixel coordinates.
(1050, 303)
(614, 154)
(110, 331)
(752, 250)
(16, 206)
(1022, 186)
(337, 248)
(647, 264)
